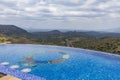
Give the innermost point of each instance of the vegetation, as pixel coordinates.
(101, 41)
(22, 40)
(107, 44)
(3, 38)
(111, 45)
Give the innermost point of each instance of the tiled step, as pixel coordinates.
(22, 75)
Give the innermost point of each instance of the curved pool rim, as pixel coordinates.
(94, 52)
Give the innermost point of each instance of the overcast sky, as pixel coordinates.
(61, 14)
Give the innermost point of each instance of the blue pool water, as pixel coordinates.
(61, 63)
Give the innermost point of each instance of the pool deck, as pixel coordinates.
(8, 77)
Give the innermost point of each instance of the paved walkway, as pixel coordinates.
(8, 77)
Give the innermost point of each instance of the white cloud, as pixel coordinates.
(109, 4)
(60, 8)
(115, 15)
(61, 14)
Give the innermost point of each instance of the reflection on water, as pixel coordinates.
(29, 61)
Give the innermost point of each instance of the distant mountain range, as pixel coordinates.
(56, 33)
(117, 30)
(14, 31)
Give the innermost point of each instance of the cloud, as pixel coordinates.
(115, 15)
(59, 9)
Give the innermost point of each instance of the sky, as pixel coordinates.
(99, 15)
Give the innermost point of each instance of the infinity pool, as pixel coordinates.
(60, 63)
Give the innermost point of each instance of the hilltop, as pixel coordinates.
(12, 31)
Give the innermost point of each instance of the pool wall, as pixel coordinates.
(19, 74)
